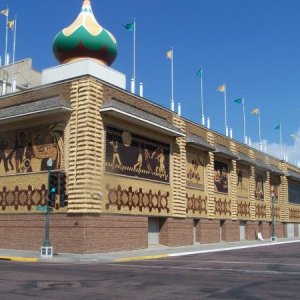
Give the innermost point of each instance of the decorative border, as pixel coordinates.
(23, 198)
(129, 198)
(196, 204)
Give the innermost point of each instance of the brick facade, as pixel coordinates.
(176, 232)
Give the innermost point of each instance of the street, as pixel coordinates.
(271, 272)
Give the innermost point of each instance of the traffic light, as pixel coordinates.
(53, 184)
(63, 198)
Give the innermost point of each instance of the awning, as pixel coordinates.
(199, 142)
(244, 158)
(139, 117)
(223, 151)
(275, 170)
(260, 164)
(33, 109)
(293, 175)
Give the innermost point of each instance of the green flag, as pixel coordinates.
(129, 26)
(239, 100)
(277, 127)
(200, 73)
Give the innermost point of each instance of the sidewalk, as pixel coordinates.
(154, 252)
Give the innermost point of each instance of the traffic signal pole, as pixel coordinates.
(47, 249)
(47, 223)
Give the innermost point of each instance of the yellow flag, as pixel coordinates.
(255, 111)
(11, 24)
(4, 12)
(170, 54)
(221, 88)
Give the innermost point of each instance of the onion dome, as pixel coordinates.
(85, 38)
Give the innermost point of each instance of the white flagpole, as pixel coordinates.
(202, 97)
(259, 130)
(134, 33)
(280, 140)
(244, 115)
(172, 80)
(6, 38)
(13, 58)
(225, 109)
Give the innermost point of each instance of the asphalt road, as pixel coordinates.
(271, 272)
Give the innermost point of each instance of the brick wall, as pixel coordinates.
(251, 230)
(176, 232)
(74, 234)
(208, 231)
(265, 229)
(230, 231)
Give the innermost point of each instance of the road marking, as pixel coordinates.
(21, 259)
(235, 262)
(267, 272)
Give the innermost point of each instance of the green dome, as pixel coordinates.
(85, 38)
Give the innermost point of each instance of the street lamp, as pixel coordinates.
(46, 249)
(273, 238)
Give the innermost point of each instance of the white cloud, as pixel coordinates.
(291, 152)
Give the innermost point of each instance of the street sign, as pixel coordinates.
(41, 208)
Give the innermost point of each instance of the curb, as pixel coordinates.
(136, 258)
(20, 259)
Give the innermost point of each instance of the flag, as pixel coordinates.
(199, 73)
(239, 100)
(255, 111)
(11, 24)
(170, 54)
(277, 127)
(129, 26)
(221, 88)
(4, 12)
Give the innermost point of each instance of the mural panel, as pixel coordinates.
(274, 186)
(259, 187)
(27, 150)
(243, 180)
(221, 177)
(195, 170)
(134, 155)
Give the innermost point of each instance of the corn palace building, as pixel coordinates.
(137, 173)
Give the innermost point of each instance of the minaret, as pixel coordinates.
(85, 38)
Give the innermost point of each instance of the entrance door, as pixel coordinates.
(153, 231)
(242, 230)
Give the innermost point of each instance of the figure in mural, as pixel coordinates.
(259, 189)
(160, 157)
(221, 177)
(147, 157)
(116, 155)
(139, 163)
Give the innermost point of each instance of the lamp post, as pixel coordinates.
(46, 249)
(273, 238)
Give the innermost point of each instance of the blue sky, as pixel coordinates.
(253, 46)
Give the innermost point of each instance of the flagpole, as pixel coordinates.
(244, 115)
(280, 140)
(202, 97)
(13, 58)
(225, 109)
(259, 130)
(172, 80)
(6, 38)
(134, 43)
